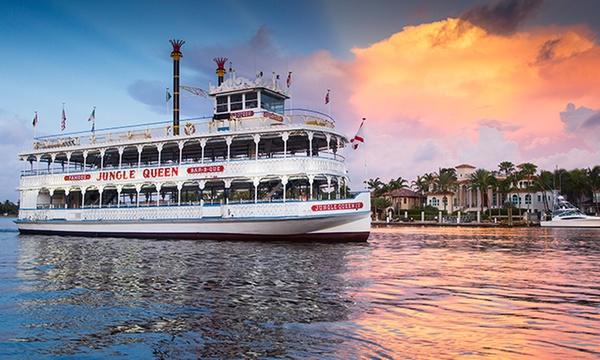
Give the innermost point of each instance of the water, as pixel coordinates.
(410, 293)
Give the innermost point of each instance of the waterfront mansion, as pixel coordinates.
(465, 198)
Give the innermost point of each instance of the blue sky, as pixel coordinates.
(114, 55)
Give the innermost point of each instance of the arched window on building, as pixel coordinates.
(515, 199)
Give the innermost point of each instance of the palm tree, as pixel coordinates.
(376, 185)
(594, 181)
(505, 187)
(558, 175)
(444, 181)
(577, 185)
(380, 203)
(421, 184)
(542, 183)
(482, 180)
(506, 168)
(515, 178)
(398, 183)
(528, 171)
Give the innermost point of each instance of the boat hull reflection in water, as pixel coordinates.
(440, 293)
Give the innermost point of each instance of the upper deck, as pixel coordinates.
(243, 122)
(240, 105)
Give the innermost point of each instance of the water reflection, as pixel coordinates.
(210, 299)
(434, 293)
(502, 293)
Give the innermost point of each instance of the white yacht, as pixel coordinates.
(565, 214)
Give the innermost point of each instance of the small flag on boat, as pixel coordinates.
(289, 79)
(35, 120)
(327, 97)
(168, 95)
(93, 115)
(92, 118)
(63, 123)
(359, 138)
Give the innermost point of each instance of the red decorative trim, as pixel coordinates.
(242, 114)
(220, 61)
(337, 206)
(177, 45)
(77, 177)
(205, 169)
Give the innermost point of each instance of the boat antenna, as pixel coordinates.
(176, 55)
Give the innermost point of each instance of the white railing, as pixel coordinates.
(231, 210)
(162, 212)
(261, 209)
(160, 130)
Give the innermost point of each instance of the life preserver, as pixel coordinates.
(189, 129)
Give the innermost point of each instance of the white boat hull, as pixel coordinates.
(351, 227)
(343, 220)
(588, 222)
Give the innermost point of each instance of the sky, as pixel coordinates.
(440, 83)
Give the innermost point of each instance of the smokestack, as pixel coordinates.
(221, 68)
(176, 55)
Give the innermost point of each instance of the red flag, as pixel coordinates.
(359, 138)
(35, 120)
(289, 79)
(327, 97)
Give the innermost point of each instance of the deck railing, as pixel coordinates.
(260, 209)
(164, 129)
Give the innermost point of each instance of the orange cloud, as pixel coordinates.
(451, 73)
(450, 92)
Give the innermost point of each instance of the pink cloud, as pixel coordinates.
(450, 92)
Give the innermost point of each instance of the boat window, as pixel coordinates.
(236, 102)
(251, 100)
(271, 103)
(221, 104)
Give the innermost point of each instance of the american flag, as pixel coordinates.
(289, 79)
(327, 97)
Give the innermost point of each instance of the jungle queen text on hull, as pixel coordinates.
(131, 174)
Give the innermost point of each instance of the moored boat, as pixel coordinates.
(565, 214)
(254, 170)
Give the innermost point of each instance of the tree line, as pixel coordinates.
(577, 185)
(9, 208)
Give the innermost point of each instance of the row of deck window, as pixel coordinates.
(213, 192)
(189, 151)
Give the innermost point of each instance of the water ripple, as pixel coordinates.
(440, 293)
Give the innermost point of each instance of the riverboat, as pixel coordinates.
(254, 170)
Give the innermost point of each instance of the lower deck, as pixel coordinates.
(326, 219)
